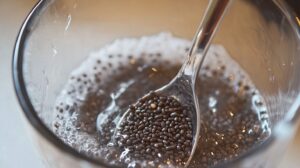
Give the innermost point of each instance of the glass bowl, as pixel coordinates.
(262, 36)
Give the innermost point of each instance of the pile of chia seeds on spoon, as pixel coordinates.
(157, 128)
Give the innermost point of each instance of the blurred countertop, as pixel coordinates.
(16, 149)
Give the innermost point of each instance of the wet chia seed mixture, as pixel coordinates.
(158, 131)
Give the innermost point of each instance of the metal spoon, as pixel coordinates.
(182, 87)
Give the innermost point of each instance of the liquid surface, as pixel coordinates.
(99, 91)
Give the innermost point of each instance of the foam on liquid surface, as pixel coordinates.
(109, 80)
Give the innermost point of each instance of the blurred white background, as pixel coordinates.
(16, 148)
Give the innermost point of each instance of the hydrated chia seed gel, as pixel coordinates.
(233, 115)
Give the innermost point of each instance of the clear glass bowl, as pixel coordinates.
(262, 36)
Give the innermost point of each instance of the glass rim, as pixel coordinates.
(46, 133)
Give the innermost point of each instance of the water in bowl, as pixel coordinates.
(233, 115)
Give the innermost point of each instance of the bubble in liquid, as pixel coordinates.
(95, 87)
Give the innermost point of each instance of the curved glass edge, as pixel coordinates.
(292, 116)
(292, 17)
(21, 92)
(42, 129)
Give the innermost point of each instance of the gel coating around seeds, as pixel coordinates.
(233, 114)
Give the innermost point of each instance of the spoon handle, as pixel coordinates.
(201, 42)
